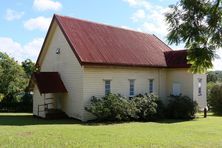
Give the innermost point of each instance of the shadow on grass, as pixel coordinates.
(21, 120)
(25, 120)
(17, 119)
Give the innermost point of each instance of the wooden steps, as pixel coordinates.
(55, 114)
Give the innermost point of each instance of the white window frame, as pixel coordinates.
(176, 90)
(107, 86)
(199, 86)
(131, 87)
(151, 85)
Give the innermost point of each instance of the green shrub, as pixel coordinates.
(181, 107)
(118, 108)
(160, 114)
(215, 99)
(146, 106)
(112, 107)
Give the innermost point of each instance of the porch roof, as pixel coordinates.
(49, 82)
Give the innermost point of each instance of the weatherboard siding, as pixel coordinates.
(189, 84)
(71, 72)
(37, 100)
(94, 84)
(182, 77)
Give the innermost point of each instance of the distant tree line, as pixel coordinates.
(214, 91)
(14, 79)
(214, 76)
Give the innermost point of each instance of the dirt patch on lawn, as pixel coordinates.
(25, 134)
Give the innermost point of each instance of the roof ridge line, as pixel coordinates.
(176, 50)
(162, 42)
(99, 23)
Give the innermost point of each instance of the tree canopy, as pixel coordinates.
(12, 76)
(198, 24)
(211, 77)
(29, 67)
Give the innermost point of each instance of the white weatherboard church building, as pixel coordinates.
(80, 59)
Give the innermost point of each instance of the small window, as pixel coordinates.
(107, 87)
(58, 51)
(199, 87)
(151, 85)
(131, 88)
(176, 89)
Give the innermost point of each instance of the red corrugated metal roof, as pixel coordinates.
(95, 43)
(49, 82)
(99, 44)
(177, 59)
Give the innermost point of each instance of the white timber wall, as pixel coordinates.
(200, 99)
(37, 100)
(94, 84)
(181, 77)
(189, 85)
(71, 72)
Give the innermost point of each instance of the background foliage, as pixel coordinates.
(215, 99)
(14, 79)
(197, 24)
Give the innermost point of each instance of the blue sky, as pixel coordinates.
(24, 23)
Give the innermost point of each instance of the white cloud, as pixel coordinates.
(13, 15)
(132, 2)
(127, 27)
(138, 15)
(21, 52)
(139, 3)
(41, 23)
(43, 5)
(218, 62)
(149, 17)
(32, 48)
(155, 22)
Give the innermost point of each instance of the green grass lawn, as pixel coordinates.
(22, 130)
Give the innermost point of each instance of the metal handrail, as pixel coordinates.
(46, 106)
(49, 98)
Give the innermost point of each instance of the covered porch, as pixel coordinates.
(52, 91)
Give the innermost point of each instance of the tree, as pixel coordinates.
(12, 76)
(215, 99)
(29, 67)
(198, 24)
(211, 77)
